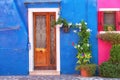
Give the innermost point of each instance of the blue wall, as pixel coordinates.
(92, 23)
(77, 10)
(13, 43)
(13, 40)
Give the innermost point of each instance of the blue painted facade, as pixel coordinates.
(13, 40)
(77, 10)
(14, 50)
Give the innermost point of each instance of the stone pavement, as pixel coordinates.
(61, 77)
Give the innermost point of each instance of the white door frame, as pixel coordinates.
(31, 36)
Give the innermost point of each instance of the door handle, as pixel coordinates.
(40, 50)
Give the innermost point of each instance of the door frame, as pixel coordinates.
(31, 36)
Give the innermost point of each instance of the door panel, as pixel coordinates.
(44, 41)
(52, 40)
(41, 31)
(40, 57)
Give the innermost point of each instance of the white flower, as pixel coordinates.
(75, 47)
(70, 24)
(85, 23)
(81, 48)
(60, 25)
(78, 45)
(80, 27)
(77, 24)
(88, 45)
(88, 30)
(80, 30)
(80, 24)
(75, 31)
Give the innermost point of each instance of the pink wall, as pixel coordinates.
(103, 51)
(104, 47)
(108, 3)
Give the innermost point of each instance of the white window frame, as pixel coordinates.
(109, 9)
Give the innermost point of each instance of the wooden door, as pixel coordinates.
(44, 41)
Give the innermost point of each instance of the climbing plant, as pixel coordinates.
(83, 45)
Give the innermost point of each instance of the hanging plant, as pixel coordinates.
(63, 22)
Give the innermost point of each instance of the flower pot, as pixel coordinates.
(85, 73)
(66, 29)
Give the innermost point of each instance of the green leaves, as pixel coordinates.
(110, 70)
(109, 27)
(83, 46)
(62, 21)
(112, 67)
(115, 54)
(113, 38)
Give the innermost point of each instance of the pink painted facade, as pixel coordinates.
(104, 51)
(104, 47)
(108, 3)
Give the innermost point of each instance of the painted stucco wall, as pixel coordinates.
(14, 57)
(13, 40)
(104, 51)
(77, 10)
(109, 4)
(103, 47)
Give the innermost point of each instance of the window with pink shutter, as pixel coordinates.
(100, 21)
(118, 20)
(108, 19)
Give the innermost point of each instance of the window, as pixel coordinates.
(108, 20)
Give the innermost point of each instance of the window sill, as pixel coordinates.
(103, 32)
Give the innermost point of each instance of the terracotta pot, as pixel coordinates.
(84, 73)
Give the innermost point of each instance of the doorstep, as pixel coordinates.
(45, 72)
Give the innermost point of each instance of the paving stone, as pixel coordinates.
(62, 77)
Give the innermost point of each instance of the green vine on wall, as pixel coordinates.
(83, 45)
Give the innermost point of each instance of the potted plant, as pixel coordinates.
(84, 51)
(63, 22)
(87, 70)
(109, 27)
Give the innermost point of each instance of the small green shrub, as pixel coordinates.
(112, 67)
(113, 38)
(115, 54)
(108, 69)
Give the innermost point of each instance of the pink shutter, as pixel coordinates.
(118, 20)
(100, 20)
